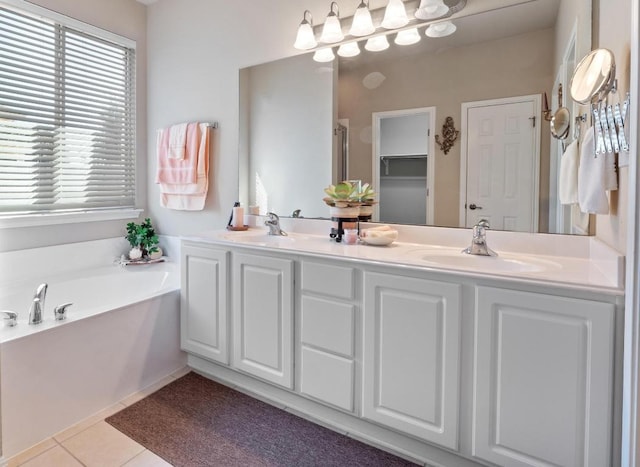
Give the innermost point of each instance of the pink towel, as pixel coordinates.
(177, 141)
(190, 196)
(178, 171)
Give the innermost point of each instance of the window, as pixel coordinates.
(67, 117)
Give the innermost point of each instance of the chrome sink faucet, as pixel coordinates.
(479, 241)
(37, 305)
(273, 222)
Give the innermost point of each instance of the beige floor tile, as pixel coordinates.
(147, 459)
(181, 372)
(55, 457)
(102, 445)
(86, 423)
(31, 452)
(133, 398)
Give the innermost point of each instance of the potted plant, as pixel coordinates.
(366, 196)
(143, 240)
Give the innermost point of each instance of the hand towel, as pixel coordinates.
(178, 171)
(190, 196)
(568, 177)
(177, 141)
(592, 195)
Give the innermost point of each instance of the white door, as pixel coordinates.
(203, 308)
(501, 157)
(542, 379)
(411, 356)
(263, 317)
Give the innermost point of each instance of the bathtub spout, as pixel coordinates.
(37, 305)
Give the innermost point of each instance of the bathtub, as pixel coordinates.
(120, 336)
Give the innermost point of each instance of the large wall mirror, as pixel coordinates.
(375, 117)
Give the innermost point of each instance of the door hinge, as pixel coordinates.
(533, 120)
(429, 132)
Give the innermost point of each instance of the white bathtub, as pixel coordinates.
(121, 335)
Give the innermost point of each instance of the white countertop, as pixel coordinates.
(588, 264)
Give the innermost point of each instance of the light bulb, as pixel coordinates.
(395, 15)
(441, 29)
(332, 30)
(407, 37)
(324, 55)
(431, 9)
(350, 49)
(362, 24)
(305, 39)
(376, 44)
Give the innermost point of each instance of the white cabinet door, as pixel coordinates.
(411, 356)
(203, 307)
(542, 379)
(263, 317)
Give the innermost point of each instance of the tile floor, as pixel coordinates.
(95, 443)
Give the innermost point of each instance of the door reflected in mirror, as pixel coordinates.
(306, 124)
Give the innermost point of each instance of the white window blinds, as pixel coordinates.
(67, 118)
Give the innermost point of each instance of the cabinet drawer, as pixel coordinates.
(328, 325)
(328, 279)
(327, 377)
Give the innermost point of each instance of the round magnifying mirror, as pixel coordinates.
(560, 123)
(594, 76)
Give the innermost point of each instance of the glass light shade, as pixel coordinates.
(443, 29)
(430, 9)
(350, 49)
(324, 55)
(305, 39)
(376, 44)
(362, 24)
(407, 37)
(395, 15)
(332, 30)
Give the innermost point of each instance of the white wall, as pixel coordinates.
(126, 18)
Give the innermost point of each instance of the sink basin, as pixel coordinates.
(263, 239)
(504, 262)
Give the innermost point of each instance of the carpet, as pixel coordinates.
(194, 421)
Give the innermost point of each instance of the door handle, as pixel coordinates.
(473, 207)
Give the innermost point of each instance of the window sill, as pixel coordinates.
(37, 220)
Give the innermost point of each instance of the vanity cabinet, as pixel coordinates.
(263, 317)
(543, 372)
(327, 320)
(204, 302)
(411, 355)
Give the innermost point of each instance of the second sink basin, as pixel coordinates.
(505, 262)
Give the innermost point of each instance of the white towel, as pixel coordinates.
(568, 178)
(177, 141)
(592, 194)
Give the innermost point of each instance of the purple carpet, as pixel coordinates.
(197, 422)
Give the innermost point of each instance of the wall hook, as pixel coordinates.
(449, 135)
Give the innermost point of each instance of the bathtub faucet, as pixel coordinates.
(37, 305)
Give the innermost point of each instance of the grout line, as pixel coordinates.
(71, 454)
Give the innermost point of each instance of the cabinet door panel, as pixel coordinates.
(411, 356)
(543, 368)
(327, 377)
(263, 324)
(328, 325)
(203, 317)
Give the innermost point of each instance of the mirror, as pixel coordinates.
(594, 76)
(295, 111)
(560, 123)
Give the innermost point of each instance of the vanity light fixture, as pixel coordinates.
(442, 29)
(362, 24)
(324, 55)
(377, 44)
(431, 9)
(350, 49)
(332, 30)
(305, 38)
(407, 37)
(395, 15)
